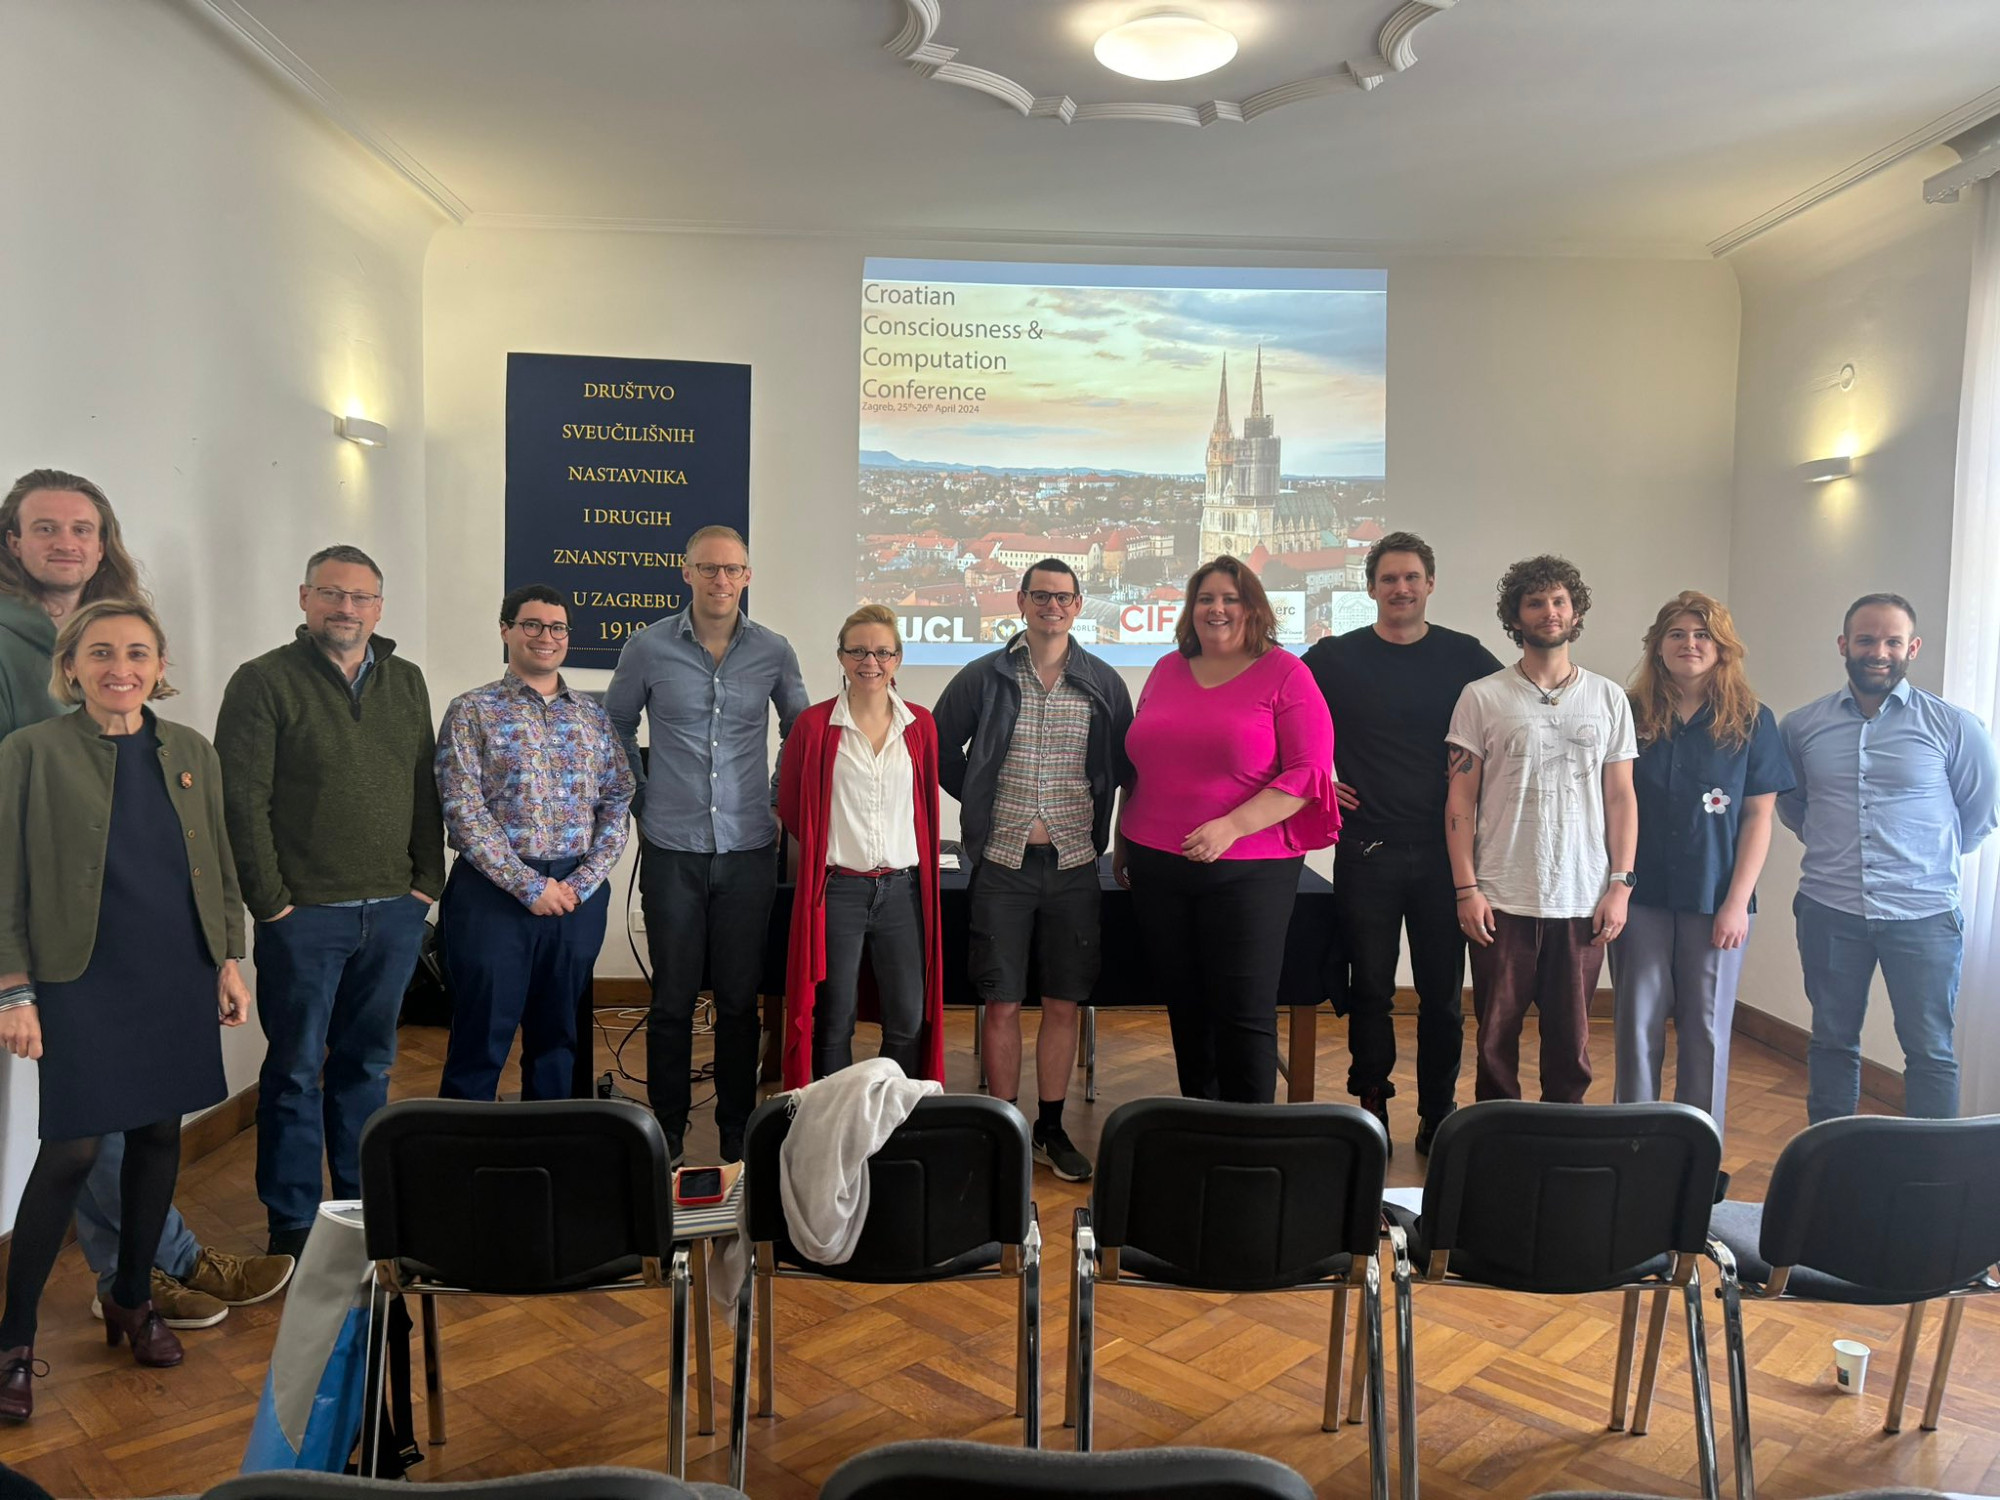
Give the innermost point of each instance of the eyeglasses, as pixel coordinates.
(555, 630)
(859, 654)
(731, 571)
(1062, 597)
(339, 597)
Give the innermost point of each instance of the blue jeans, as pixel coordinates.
(97, 1222)
(510, 970)
(330, 983)
(1920, 962)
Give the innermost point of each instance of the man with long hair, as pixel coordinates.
(62, 550)
(1542, 827)
(1710, 767)
(1894, 786)
(1391, 687)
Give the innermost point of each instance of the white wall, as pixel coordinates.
(197, 276)
(1878, 279)
(1574, 405)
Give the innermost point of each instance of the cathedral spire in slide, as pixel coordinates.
(1257, 396)
(1223, 427)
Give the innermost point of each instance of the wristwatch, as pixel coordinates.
(1623, 877)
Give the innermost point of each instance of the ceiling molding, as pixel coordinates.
(1361, 251)
(1948, 184)
(1922, 139)
(329, 102)
(917, 44)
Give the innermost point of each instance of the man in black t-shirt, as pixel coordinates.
(1391, 687)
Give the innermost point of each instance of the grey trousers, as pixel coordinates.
(1662, 966)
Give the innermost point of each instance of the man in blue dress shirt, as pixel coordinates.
(706, 681)
(1894, 786)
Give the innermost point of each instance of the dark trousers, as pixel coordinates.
(1216, 936)
(884, 915)
(1548, 963)
(509, 970)
(330, 983)
(1379, 890)
(705, 919)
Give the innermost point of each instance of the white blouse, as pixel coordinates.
(874, 815)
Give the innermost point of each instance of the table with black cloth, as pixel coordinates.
(1126, 978)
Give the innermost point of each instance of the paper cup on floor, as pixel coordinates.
(1850, 1365)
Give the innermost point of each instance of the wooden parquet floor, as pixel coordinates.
(1513, 1392)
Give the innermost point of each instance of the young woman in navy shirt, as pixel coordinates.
(1709, 772)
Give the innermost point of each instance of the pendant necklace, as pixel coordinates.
(1551, 698)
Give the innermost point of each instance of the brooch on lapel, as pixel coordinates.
(187, 780)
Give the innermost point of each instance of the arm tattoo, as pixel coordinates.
(1460, 761)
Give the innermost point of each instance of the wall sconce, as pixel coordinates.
(360, 430)
(1826, 470)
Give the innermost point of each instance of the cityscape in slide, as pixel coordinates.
(1131, 421)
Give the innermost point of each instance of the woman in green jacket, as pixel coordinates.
(115, 972)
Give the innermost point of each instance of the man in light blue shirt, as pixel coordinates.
(706, 680)
(1894, 786)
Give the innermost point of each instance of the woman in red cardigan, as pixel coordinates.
(858, 789)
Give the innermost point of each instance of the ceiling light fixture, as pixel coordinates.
(1165, 45)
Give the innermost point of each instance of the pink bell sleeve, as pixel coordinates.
(1304, 731)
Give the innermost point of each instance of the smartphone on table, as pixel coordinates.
(696, 1186)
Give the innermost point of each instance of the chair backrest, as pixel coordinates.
(1902, 1206)
(953, 1178)
(1239, 1197)
(557, 1484)
(516, 1198)
(980, 1471)
(1568, 1197)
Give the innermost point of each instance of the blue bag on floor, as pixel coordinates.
(310, 1414)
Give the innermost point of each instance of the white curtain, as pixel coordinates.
(1972, 644)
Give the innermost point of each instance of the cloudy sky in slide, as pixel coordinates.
(1124, 377)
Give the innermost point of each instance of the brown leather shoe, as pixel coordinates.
(153, 1343)
(18, 1369)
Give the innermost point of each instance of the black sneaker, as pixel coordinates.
(1055, 1150)
(290, 1242)
(1427, 1129)
(732, 1149)
(1377, 1104)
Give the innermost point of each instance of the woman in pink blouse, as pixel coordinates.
(1232, 761)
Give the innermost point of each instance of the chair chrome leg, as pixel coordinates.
(370, 1465)
(433, 1370)
(1941, 1366)
(739, 1383)
(1083, 1307)
(1704, 1400)
(677, 1437)
(1621, 1375)
(1090, 1054)
(1378, 1416)
(767, 1345)
(1406, 1363)
(1913, 1327)
(1739, 1370)
(1336, 1353)
(1030, 1360)
(1357, 1382)
(1649, 1363)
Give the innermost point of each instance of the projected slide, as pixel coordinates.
(1130, 420)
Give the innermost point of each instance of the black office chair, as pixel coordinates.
(1195, 1195)
(948, 1199)
(1564, 1199)
(1872, 1210)
(978, 1471)
(557, 1484)
(515, 1200)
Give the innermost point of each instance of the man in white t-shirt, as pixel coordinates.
(1542, 827)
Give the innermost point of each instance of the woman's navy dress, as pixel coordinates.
(134, 1039)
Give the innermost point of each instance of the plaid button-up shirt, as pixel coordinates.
(1044, 775)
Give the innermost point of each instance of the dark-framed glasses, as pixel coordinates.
(351, 598)
(731, 571)
(859, 654)
(555, 630)
(1061, 597)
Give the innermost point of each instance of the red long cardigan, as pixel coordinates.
(805, 807)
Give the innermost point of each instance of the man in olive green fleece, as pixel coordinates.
(63, 550)
(333, 813)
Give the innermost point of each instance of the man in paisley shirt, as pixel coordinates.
(535, 788)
